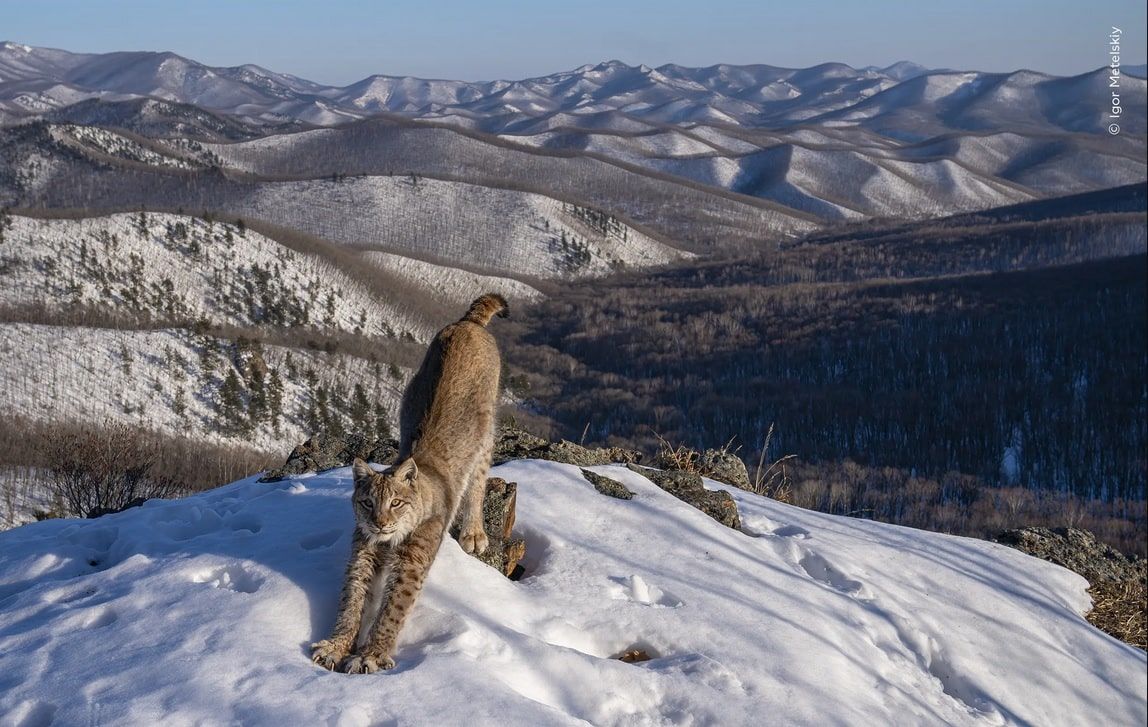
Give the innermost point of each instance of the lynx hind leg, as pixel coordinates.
(472, 534)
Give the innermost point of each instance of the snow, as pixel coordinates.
(95, 375)
(201, 610)
(451, 284)
(205, 266)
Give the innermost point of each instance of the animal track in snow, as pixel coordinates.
(34, 714)
(792, 531)
(822, 570)
(99, 618)
(322, 539)
(231, 578)
(245, 522)
(635, 588)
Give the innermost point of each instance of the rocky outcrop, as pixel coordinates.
(607, 486)
(1118, 584)
(687, 487)
(326, 451)
(1077, 550)
(717, 464)
(513, 443)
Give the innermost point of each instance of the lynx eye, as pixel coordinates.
(396, 502)
(367, 505)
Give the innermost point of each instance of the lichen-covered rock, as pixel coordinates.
(607, 486)
(513, 443)
(325, 451)
(717, 464)
(724, 467)
(687, 487)
(1077, 550)
(498, 511)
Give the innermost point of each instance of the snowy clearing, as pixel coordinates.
(201, 610)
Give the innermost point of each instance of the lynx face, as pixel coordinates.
(387, 504)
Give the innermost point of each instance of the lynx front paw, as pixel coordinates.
(327, 654)
(366, 664)
(474, 541)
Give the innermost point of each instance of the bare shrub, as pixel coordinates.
(105, 468)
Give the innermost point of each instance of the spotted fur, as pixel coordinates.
(402, 514)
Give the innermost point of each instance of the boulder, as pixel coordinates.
(607, 486)
(717, 464)
(326, 451)
(1077, 550)
(687, 487)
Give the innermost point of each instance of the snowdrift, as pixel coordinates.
(201, 610)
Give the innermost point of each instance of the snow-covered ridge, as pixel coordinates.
(119, 146)
(37, 79)
(172, 382)
(186, 268)
(802, 619)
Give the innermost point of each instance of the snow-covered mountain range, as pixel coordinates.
(901, 100)
(775, 151)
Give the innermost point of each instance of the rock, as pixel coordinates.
(724, 467)
(1118, 584)
(101, 511)
(498, 511)
(607, 486)
(717, 464)
(1077, 550)
(325, 451)
(632, 656)
(687, 487)
(513, 443)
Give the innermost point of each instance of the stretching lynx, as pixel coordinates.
(401, 515)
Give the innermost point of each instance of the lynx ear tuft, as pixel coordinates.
(362, 470)
(407, 471)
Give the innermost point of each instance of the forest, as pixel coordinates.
(918, 372)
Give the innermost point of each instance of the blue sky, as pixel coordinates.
(341, 41)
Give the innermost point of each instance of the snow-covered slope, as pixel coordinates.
(200, 611)
(170, 381)
(187, 268)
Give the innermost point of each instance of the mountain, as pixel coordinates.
(821, 144)
(34, 80)
(202, 610)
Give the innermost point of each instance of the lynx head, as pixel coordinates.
(387, 504)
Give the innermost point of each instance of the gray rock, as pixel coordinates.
(1077, 550)
(101, 511)
(324, 451)
(717, 464)
(513, 443)
(503, 552)
(607, 486)
(687, 487)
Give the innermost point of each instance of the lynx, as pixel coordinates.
(402, 514)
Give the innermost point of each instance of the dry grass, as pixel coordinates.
(1118, 609)
(678, 457)
(773, 480)
(770, 480)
